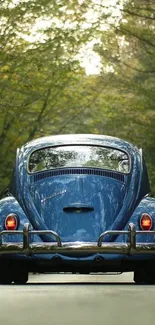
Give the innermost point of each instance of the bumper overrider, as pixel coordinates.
(26, 247)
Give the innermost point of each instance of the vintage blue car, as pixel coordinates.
(80, 204)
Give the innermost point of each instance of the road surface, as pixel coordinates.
(60, 299)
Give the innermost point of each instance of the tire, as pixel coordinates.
(5, 273)
(21, 277)
(144, 277)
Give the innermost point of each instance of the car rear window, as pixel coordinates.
(79, 156)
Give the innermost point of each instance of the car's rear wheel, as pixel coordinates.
(144, 276)
(13, 272)
(20, 277)
(5, 273)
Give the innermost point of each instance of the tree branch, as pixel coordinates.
(128, 32)
(136, 69)
(137, 14)
(83, 109)
(33, 131)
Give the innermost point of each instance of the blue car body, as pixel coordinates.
(76, 217)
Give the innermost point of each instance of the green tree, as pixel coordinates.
(128, 56)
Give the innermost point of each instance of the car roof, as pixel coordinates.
(86, 139)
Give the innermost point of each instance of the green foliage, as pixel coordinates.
(44, 90)
(127, 49)
(35, 74)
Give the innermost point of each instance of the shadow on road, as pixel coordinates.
(78, 283)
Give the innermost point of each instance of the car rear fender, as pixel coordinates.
(10, 205)
(146, 205)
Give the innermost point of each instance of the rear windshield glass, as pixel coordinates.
(78, 156)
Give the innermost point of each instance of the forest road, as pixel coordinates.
(61, 299)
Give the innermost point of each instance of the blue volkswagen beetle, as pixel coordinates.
(80, 204)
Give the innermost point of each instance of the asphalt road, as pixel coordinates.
(78, 300)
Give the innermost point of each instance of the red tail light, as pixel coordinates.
(146, 222)
(11, 222)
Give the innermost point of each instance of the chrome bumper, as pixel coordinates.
(27, 248)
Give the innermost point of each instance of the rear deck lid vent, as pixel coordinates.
(79, 171)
